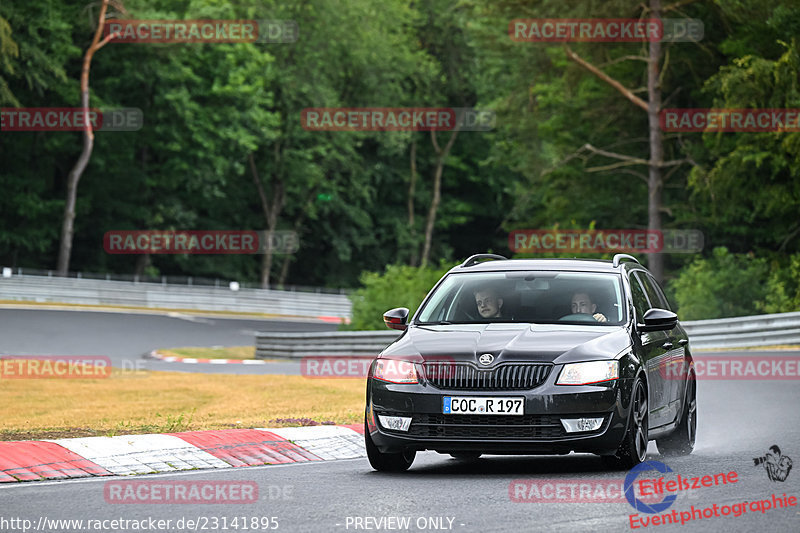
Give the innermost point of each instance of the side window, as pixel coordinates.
(661, 298)
(639, 298)
(653, 291)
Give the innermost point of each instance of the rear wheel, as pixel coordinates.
(633, 449)
(681, 441)
(387, 462)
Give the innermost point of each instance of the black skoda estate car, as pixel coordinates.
(534, 357)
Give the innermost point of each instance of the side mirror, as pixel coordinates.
(396, 318)
(658, 320)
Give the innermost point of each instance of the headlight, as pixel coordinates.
(588, 373)
(395, 371)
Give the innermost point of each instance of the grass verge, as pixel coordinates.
(215, 352)
(130, 402)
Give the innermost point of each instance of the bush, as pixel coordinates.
(783, 288)
(398, 286)
(721, 286)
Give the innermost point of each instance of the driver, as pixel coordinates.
(489, 303)
(582, 304)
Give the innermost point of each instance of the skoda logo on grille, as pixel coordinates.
(486, 359)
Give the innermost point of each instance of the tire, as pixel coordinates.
(387, 462)
(465, 456)
(633, 449)
(681, 441)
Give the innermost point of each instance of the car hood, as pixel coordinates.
(511, 342)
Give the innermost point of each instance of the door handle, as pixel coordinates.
(667, 345)
(683, 342)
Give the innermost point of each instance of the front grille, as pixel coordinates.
(466, 376)
(486, 426)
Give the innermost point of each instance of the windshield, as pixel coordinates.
(526, 296)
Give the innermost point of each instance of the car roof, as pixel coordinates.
(566, 264)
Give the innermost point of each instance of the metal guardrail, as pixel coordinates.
(329, 343)
(749, 331)
(744, 331)
(42, 289)
(165, 280)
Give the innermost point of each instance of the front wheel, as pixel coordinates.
(633, 449)
(681, 441)
(387, 462)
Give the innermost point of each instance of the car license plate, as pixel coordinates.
(478, 405)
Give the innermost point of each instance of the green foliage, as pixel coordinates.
(747, 185)
(783, 288)
(724, 285)
(209, 107)
(397, 286)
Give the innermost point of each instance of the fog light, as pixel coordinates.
(396, 423)
(574, 425)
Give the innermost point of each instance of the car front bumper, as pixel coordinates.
(538, 431)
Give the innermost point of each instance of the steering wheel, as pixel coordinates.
(577, 317)
(469, 315)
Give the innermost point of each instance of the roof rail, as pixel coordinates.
(618, 258)
(473, 259)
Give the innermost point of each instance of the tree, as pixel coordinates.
(747, 185)
(65, 248)
(652, 106)
(8, 51)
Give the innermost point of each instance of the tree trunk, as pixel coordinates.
(654, 179)
(68, 219)
(441, 156)
(271, 213)
(412, 186)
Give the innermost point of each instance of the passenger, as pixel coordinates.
(582, 304)
(489, 303)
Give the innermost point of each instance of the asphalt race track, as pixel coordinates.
(126, 337)
(738, 420)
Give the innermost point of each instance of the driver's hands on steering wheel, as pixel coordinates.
(600, 317)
